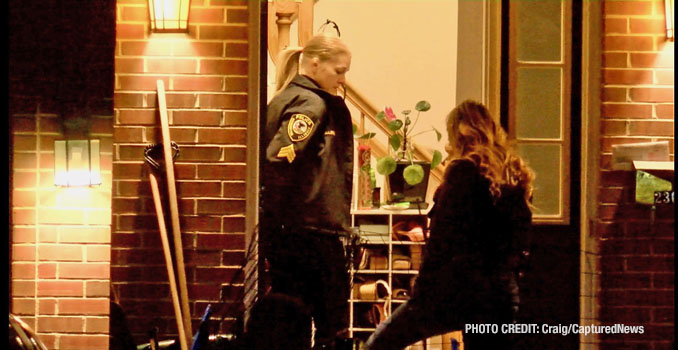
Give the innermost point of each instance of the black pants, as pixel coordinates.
(312, 267)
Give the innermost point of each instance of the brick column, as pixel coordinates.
(637, 271)
(205, 76)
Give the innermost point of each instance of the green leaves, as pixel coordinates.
(438, 134)
(386, 165)
(368, 136)
(437, 159)
(381, 115)
(395, 125)
(413, 174)
(422, 106)
(395, 141)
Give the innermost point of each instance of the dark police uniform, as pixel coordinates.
(306, 188)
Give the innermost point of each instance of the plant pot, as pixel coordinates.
(401, 191)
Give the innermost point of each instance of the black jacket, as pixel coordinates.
(474, 243)
(307, 172)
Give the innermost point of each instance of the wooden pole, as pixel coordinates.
(168, 262)
(174, 207)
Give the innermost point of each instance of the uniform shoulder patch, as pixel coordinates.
(299, 127)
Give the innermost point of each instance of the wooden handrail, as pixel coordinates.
(281, 14)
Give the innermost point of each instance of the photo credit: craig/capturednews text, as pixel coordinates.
(567, 329)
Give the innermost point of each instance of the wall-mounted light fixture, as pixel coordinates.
(76, 163)
(670, 18)
(169, 16)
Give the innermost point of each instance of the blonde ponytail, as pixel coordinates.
(288, 67)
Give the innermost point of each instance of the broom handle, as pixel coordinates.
(168, 261)
(174, 209)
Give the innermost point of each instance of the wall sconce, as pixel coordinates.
(169, 16)
(76, 163)
(670, 18)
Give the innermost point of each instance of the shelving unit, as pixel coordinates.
(376, 230)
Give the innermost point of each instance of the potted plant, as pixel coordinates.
(401, 167)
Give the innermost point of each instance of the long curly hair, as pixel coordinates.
(474, 135)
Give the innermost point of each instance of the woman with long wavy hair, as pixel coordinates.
(479, 228)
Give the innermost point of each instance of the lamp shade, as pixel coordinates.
(169, 15)
(76, 163)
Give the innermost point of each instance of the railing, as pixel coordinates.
(281, 15)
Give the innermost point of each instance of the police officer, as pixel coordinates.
(306, 184)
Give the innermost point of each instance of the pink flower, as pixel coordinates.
(389, 113)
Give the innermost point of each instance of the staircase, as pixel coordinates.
(281, 15)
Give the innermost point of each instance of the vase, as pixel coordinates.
(401, 191)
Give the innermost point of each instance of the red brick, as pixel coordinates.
(172, 66)
(21, 306)
(129, 65)
(49, 124)
(83, 342)
(233, 224)
(223, 32)
(23, 124)
(23, 235)
(222, 136)
(125, 134)
(23, 270)
(627, 43)
(47, 270)
(84, 270)
(197, 49)
(631, 315)
(97, 289)
(185, 171)
(198, 189)
(140, 82)
(651, 128)
(627, 76)
(239, 50)
(615, 25)
(60, 252)
(50, 340)
(61, 216)
(98, 253)
(212, 273)
(237, 15)
(614, 94)
(61, 324)
(198, 83)
(23, 198)
(181, 100)
(133, 188)
(23, 288)
(134, 13)
(664, 77)
(614, 127)
(665, 111)
(200, 224)
(223, 66)
(206, 15)
(129, 31)
(651, 94)
(84, 235)
(196, 118)
(221, 206)
(24, 179)
(663, 315)
(201, 153)
(608, 142)
(182, 135)
(630, 7)
(146, 48)
(25, 160)
(221, 172)
(86, 306)
(25, 143)
(236, 84)
(647, 25)
(650, 264)
(233, 190)
(23, 252)
(232, 258)
(235, 119)
(230, 2)
(23, 216)
(48, 234)
(96, 325)
(60, 289)
(47, 306)
(129, 152)
(138, 117)
(661, 59)
(123, 99)
(137, 222)
(627, 110)
(234, 154)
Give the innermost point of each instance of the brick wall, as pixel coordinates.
(60, 237)
(205, 77)
(637, 271)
